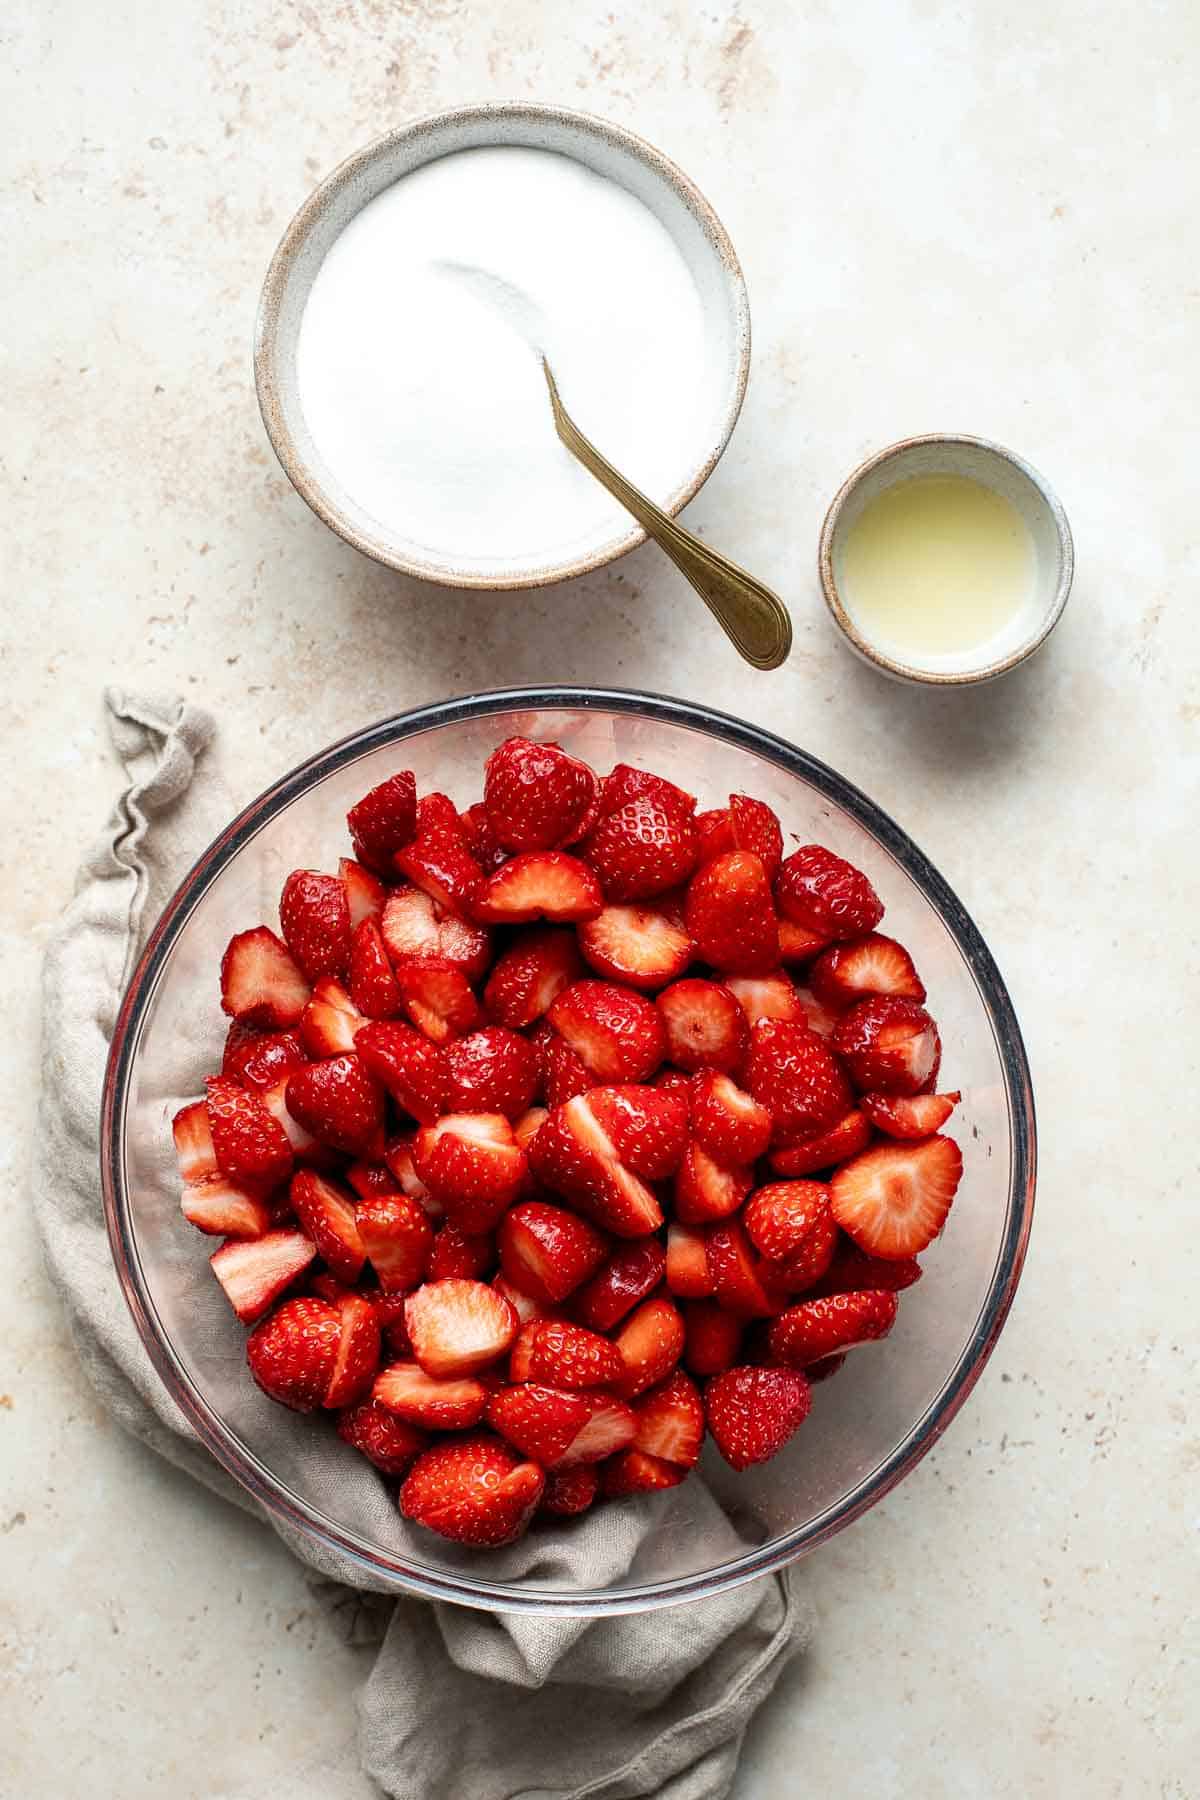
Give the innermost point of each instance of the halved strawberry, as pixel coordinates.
(853, 1270)
(258, 1059)
(548, 1252)
(645, 844)
(712, 1337)
(261, 983)
(542, 1421)
(910, 1115)
(626, 783)
(492, 1070)
(819, 1017)
(382, 1438)
(466, 1254)
(814, 1329)
(826, 893)
(535, 795)
(397, 1156)
(439, 863)
(455, 1404)
(474, 1491)
(292, 1354)
(730, 915)
(564, 1355)
(631, 1273)
(688, 1275)
(340, 1104)
(705, 1026)
(373, 986)
(413, 927)
(770, 996)
(481, 840)
(326, 1213)
(670, 1421)
(569, 1492)
(437, 812)
(781, 1217)
(851, 1134)
(563, 1074)
(705, 1189)
(219, 1208)
(753, 1412)
(714, 830)
(529, 975)
(650, 1343)
(634, 1472)
(305, 1147)
(646, 1127)
(372, 1181)
(330, 1022)
(889, 1045)
(456, 1327)
(540, 884)
(756, 828)
(610, 1427)
(523, 1305)
(472, 1163)
(734, 1268)
(638, 945)
(249, 1144)
(384, 820)
(193, 1142)
(526, 1128)
(799, 943)
(726, 1121)
(314, 915)
(617, 1033)
(358, 1349)
(405, 1063)
(438, 998)
(398, 1239)
(853, 970)
(893, 1200)
(573, 1155)
(365, 893)
(792, 1072)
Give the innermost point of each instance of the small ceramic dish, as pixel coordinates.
(1005, 474)
(607, 150)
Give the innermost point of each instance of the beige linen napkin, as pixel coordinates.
(460, 1703)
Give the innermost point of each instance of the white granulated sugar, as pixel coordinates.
(419, 356)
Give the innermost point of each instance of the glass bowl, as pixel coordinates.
(868, 1427)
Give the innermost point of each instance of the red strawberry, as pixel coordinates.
(413, 927)
(797, 943)
(852, 1271)
(573, 1155)
(543, 1422)
(340, 1104)
(563, 1073)
(383, 1439)
(646, 1127)
(540, 884)
(627, 783)
(819, 1017)
(258, 1059)
(806, 1266)
(315, 917)
(481, 840)
(292, 1353)
(735, 1271)
(466, 1254)
(438, 998)
(630, 1274)
(781, 1217)
(754, 827)
(547, 1252)
(688, 1274)
(893, 1200)
(638, 945)
(705, 1189)
(821, 890)
(305, 1147)
(365, 893)
(712, 1337)
(384, 820)
(330, 1022)
(397, 1237)
(526, 1128)
(398, 1157)
(617, 1033)
(492, 1070)
(437, 812)
(714, 831)
(753, 1412)
(530, 974)
(260, 982)
(471, 1163)
(814, 1329)
(193, 1142)
(731, 915)
(524, 1307)
(851, 1134)
(771, 996)
(439, 863)
(633, 1472)
(372, 984)
(726, 1121)
(610, 1428)
(868, 965)
(326, 1213)
(705, 1026)
(473, 1491)
(644, 846)
(358, 1350)
(909, 1116)
(250, 1145)
(456, 1327)
(822, 1370)
(650, 1343)
(420, 1399)
(569, 1492)
(794, 1075)
(372, 1181)
(535, 795)
(670, 1421)
(890, 1046)
(405, 1063)
(214, 1205)
(563, 1355)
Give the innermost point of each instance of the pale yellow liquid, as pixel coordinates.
(937, 565)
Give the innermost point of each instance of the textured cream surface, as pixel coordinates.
(951, 217)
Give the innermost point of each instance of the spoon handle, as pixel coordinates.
(752, 616)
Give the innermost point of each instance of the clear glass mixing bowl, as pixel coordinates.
(869, 1426)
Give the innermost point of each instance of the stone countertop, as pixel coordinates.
(950, 217)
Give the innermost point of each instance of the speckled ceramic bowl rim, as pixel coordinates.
(266, 343)
(948, 677)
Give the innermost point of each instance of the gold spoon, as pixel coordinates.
(754, 618)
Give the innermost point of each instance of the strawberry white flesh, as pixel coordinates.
(893, 1200)
(457, 1327)
(255, 1273)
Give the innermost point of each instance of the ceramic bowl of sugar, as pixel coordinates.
(406, 312)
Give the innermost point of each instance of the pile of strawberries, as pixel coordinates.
(534, 1156)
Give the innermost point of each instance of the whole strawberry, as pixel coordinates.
(794, 1074)
(314, 916)
(822, 891)
(535, 795)
(753, 1412)
(474, 1490)
(292, 1353)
